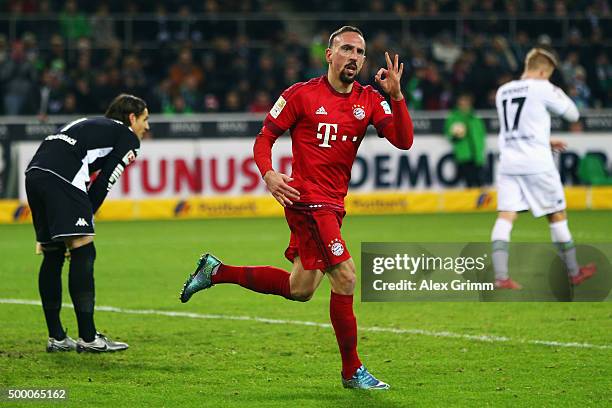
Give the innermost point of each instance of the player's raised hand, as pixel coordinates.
(283, 192)
(389, 78)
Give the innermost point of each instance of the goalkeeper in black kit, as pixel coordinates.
(63, 202)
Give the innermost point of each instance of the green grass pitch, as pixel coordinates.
(178, 361)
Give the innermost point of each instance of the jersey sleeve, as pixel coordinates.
(262, 150)
(123, 153)
(381, 112)
(285, 112)
(395, 124)
(555, 100)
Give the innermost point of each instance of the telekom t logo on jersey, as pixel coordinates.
(329, 131)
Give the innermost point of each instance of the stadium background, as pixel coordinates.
(209, 71)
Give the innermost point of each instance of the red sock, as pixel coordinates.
(345, 326)
(262, 279)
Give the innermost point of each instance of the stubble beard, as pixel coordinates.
(346, 79)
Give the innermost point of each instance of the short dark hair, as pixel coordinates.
(344, 29)
(124, 104)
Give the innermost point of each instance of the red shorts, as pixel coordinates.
(315, 235)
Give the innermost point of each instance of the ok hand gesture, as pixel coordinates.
(391, 82)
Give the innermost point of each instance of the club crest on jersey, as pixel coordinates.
(386, 107)
(336, 247)
(359, 112)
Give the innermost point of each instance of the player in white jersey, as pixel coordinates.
(527, 177)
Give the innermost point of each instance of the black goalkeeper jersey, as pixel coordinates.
(85, 146)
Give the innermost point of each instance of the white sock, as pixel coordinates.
(500, 236)
(501, 230)
(562, 238)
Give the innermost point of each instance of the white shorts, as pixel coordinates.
(541, 192)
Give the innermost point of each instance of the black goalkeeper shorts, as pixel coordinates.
(59, 209)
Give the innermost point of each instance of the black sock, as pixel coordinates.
(82, 290)
(50, 289)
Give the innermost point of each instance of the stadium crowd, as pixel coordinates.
(67, 57)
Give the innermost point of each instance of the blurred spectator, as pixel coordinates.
(192, 50)
(52, 92)
(261, 102)
(185, 28)
(233, 102)
(23, 6)
(434, 97)
(211, 103)
(69, 107)
(84, 97)
(414, 89)
(134, 78)
(18, 76)
(102, 26)
(178, 105)
(214, 26)
(570, 66)
(467, 134)
(482, 79)
(318, 45)
(506, 57)
(113, 55)
(102, 90)
(162, 97)
(163, 24)
(73, 23)
(579, 90)
(190, 92)
(47, 25)
(461, 69)
(224, 55)
(521, 46)
(445, 51)
(316, 67)
(56, 52)
(183, 69)
(265, 74)
(31, 51)
(603, 80)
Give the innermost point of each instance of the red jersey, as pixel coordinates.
(326, 130)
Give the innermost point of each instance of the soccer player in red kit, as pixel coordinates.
(327, 118)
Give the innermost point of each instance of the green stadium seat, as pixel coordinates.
(592, 170)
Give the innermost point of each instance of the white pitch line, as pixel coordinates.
(445, 334)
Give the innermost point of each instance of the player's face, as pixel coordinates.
(347, 55)
(140, 124)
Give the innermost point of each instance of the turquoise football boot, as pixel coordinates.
(202, 277)
(362, 379)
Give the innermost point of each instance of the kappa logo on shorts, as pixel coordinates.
(336, 247)
(81, 223)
